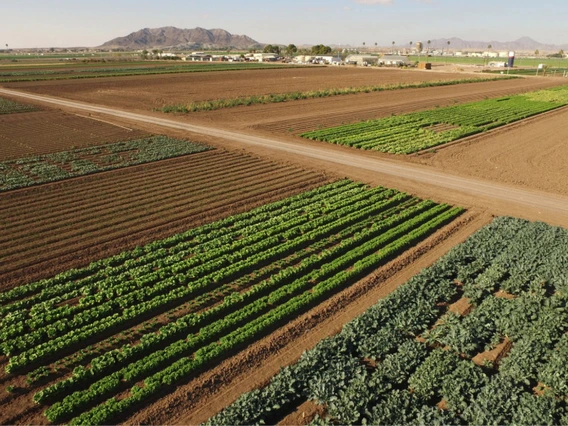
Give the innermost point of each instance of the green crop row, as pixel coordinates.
(417, 131)
(66, 164)
(237, 277)
(43, 75)
(9, 107)
(525, 260)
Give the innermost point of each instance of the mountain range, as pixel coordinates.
(521, 44)
(196, 38)
(201, 38)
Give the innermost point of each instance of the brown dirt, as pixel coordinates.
(210, 392)
(59, 132)
(154, 91)
(530, 154)
(461, 307)
(494, 355)
(71, 223)
(303, 414)
(206, 395)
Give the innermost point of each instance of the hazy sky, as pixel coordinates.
(66, 23)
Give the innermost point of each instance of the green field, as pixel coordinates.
(124, 69)
(376, 370)
(40, 169)
(408, 133)
(163, 312)
(550, 72)
(519, 62)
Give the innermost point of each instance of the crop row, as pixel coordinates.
(61, 165)
(416, 131)
(238, 278)
(42, 75)
(8, 107)
(295, 96)
(409, 377)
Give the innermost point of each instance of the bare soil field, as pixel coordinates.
(532, 153)
(49, 131)
(51, 228)
(155, 91)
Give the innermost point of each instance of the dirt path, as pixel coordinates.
(469, 191)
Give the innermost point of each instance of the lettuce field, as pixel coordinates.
(408, 133)
(95, 342)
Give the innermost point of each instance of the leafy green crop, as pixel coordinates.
(435, 381)
(9, 107)
(66, 164)
(408, 133)
(234, 280)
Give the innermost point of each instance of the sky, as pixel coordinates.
(73, 23)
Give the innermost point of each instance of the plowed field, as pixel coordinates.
(147, 92)
(532, 154)
(45, 132)
(51, 228)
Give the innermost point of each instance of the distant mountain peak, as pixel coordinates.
(196, 38)
(524, 43)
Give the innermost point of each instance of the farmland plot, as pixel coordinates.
(66, 164)
(413, 132)
(120, 332)
(415, 358)
(8, 106)
(49, 131)
(48, 229)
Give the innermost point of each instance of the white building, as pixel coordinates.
(361, 59)
(394, 60)
(265, 57)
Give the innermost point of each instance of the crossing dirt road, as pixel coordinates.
(491, 196)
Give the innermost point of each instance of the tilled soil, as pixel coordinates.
(210, 392)
(155, 91)
(71, 223)
(532, 153)
(45, 132)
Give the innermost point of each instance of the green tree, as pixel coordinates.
(321, 49)
(536, 52)
(269, 48)
(291, 49)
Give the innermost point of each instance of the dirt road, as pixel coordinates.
(479, 193)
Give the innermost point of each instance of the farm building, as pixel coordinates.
(265, 57)
(394, 60)
(198, 56)
(361, 59)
